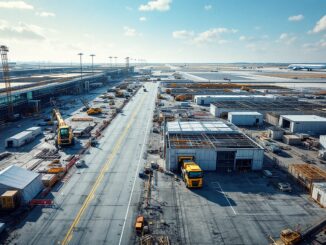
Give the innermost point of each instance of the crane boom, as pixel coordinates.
(57, 115)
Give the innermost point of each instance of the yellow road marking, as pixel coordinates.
(99, 178)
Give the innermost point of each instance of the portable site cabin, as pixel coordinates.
(250, 118)
(23, 137)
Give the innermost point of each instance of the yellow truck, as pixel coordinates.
(192, 174)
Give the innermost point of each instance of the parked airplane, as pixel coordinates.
(308, 67)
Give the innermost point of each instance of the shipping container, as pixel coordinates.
(19, 139)
(9, 200)
(291, 140)
(35, 131)
(275, 134)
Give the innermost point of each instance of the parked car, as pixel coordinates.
(286, 187)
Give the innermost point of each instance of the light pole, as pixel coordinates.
(115, 58)
(110, 57)
(92, 55)
(81, 66)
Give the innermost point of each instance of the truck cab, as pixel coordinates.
(192, 174)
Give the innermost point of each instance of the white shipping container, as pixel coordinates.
(35, 131)
(19, 139)
(275, 134)
(319, 193)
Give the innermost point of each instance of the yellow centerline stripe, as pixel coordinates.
(105, 168)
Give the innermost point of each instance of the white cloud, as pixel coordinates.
(242, 38)
(129, 8)
(246, 38)
(317, 46)
(182, 34)
(130, 32)
(15, 5)
(255, 47)
(45, 14)
(320, 25)
(208, 36)
(208, 7)
(159, 5)
(20, 31)
(143, 18)
(212, 34)
(287, 38)
(298, 17)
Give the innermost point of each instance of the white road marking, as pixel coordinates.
(235, 213)
(135, 178)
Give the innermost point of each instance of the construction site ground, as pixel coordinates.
(70, 107)
(97, 204)
(242, 208)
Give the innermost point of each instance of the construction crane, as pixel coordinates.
(64, 132)
(91, 110)
(6, 77)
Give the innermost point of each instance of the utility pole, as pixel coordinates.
(81, 66)
(127, 62)
(115, 58)
(6, 77)
(92, 55)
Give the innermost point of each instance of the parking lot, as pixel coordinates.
(242, 208)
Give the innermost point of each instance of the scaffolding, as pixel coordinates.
(208, 141)
(307, 174)
(6, 77)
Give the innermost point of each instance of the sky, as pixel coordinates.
(165, 30)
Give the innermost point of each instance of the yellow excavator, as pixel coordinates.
(91, 110)
(64, 132)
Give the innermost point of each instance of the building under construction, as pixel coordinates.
(215, 146)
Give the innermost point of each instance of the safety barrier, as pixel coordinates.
(41, 202)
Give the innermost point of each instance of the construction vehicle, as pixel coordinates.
(139, 224)
(288, 237)
(64, 132)
(192, 174)
(91, 110)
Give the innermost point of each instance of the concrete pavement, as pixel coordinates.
(99, 203)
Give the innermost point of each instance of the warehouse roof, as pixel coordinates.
(198, 127)
(208, 141)
(270, 105)
(304, 118)
(246, 113)
(17, 177)
(224, 96)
